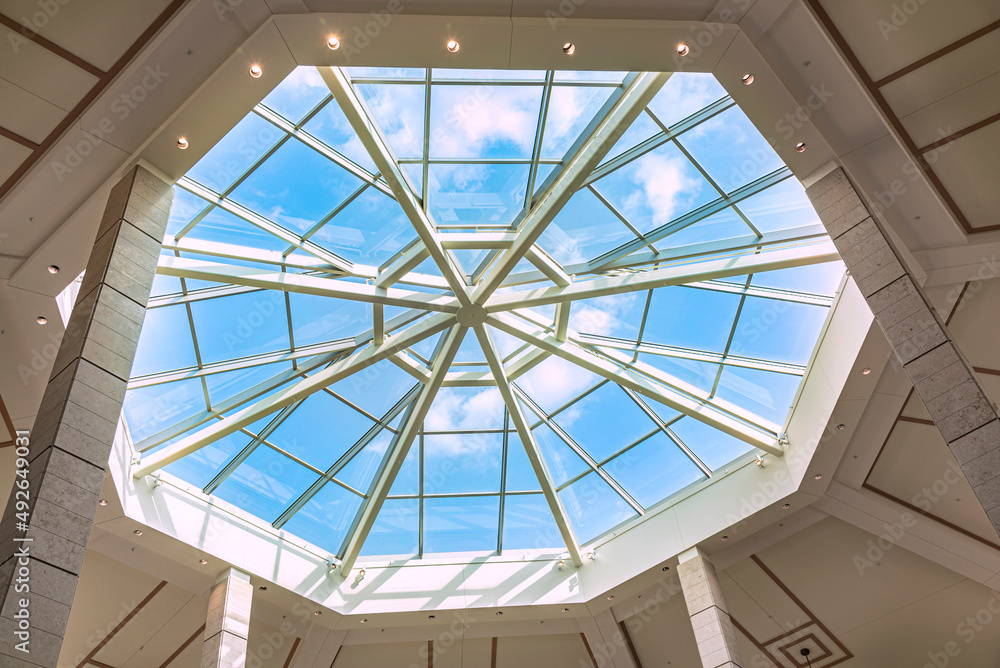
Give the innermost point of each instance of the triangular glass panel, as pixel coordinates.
(266, 483)
(604, 421)
(490, 194)
(593, 507)
(235, 153)
(699, 374)
(560, 459)
(690, 318)
(653, 470)
(777, 330)
(399, 111)
(396, 530)
(782, 206)
(461, 128)
(331, 127)
(583, 229)
(183, 209)
(375, 389)
(683, 95)
(360, 471)
(326, 518)
(202, 465)
(465, 409)
(369, 230)
(618, 316)
(318, 319)
(571, 110)
(297, 94)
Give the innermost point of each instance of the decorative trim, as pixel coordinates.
(628, 643)
(291, 653)
(183, 646)
(30, 34)
(10, 425)
(593, 659)
(128, 618)
(928, 59)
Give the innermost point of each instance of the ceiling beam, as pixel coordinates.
(620, 111)
(528, 441)
(303, 388)
(401, 446)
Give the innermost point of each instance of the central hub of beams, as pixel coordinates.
(471, 315)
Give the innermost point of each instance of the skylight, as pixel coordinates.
(406, 312)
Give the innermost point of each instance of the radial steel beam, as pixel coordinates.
(302, 283)
(677, 275)
(411, 427)
(528, 441)
(382, 155)
(336, 371)
(688, 403)
(613, 124)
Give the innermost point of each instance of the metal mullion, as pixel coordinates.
(462, 495)
(607, 460)
(662, 426)
(328, 217)
(642, 325)
(729, 340)
(692, 217)
(463, 432)
(618, 214)
(712, 182)
(694, 355)
(751, 290)
(420, 490)
(575, 447)
(536, 150)
(242, 456)
(579, 397)
(198, 217)
(503, 478)
(352, 405)
(330, 474)
(425, 163)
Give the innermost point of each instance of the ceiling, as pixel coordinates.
(860, 569)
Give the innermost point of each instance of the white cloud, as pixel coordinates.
(469, 118)
(664, 184)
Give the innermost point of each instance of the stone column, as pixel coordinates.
(228, 623)
(713, 629)
(69, 445)
(942, 377)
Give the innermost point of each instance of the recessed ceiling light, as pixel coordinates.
(611, 597)
(866, 371)
(841, 427)
(800, 147)
(430, 616)
(786, 506)
(364, 620)
(747, 79)
(102, 502)
(255, 71)
(318, 613)
(53, 269)
(818, 476)
(569, 48)
(565, 609)
(138, 532)
(182, 143)
(725, 538)
(665, 568)
(499, 613)
(453, 45)
(683, 50)
(262, 588)
(333, 43)
(41, 320)
(203, 561)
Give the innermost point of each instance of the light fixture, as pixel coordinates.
(565, 609)
(725, 538)
(53, 269)
(499, 613)
(561, 563)
(102, 502)
(333, 43)
(805, 652)
(453, 45)
(318, 613)
(683, 50)
(138, 532)
(841, 427)
(611, 597)
(818, 476)
(592, 555)
(665, 568)
(786, 506)
(430, 616)
(866, 371)
(262, 588)
(361, 574)
(569, 48)
(364, 620)
(203, 562)
(182, 143)
(255, 71)
(747, 79)
(41, 320)
(800, 147)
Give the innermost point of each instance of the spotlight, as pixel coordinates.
(611, 597)
(841, 427)
(102, 502)
(453, 46)
(53, 269)
(262, 588)
(430, 616)
(866, 371)
(41, 320)
(138, 532)
(318, 613)
(561, 563)
(665, 568)
(747, 79)
(182, 143)
(725, 538)
(364, 620)
(569, 48)
(333, 43)
(800, 147)
(683, 50)
(565, 609)
(499, 613)
(818, 476)
(786, 506)
(255, 71)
